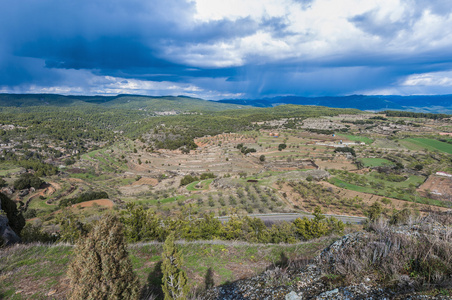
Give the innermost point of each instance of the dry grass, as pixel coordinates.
(415, 256)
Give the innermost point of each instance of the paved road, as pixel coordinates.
(277, 217)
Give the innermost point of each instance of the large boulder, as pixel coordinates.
(11, 221)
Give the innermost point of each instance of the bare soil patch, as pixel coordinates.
(146, 181)
(137, 167)
(102, 202)
(336, 164)
(437, 185)
(55, 185)
(294, 199)
(131, 190)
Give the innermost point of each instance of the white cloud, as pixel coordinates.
(324, 29)
(429, 79)
(435, 83)
(208, 10)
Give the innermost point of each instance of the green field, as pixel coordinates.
(9, 171)
(387, 193)
(429, 144)
(44, 267)
(370, 184)
(350, 137)
(375, 162)
(205, 185)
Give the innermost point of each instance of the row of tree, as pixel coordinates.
(101, 267)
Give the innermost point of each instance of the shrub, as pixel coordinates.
(188, 179)
(401, 217)
(35, 233)
(205, 176)
(140, 224)
(69, 161)
(346, 149)
(282, 147)
(386, 201)
(27, 180)
(87, 196)
(101, 268)
(174, 278)
(71, 229)
(317, 227)
(30, 213)
(310, 229)
(374, 212)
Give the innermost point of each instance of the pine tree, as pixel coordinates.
(101, 268)
(174, 278)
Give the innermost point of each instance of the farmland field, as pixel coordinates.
(375, 162)
(429, 144)
(364, 139)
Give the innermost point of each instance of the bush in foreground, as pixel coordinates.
(174, 278)
(101, 268)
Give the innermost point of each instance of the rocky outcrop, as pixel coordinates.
(12, 220)
(354, 267)
(6, 233)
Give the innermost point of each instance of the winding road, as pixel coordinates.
(288, 217)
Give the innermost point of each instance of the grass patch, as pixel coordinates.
(390, 189)
(429, 144)
(357, 138)
(36, 269)
(162, 201)
(376, 162)
(7, 171)
(84, 176)
(343, 184)
(205, 185)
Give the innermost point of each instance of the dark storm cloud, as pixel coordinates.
(51, 43)
(122, 36)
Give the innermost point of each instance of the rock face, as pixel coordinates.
(307, 283)
(6, 233)
(8, 208)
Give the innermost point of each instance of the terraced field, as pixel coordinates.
(363, 139)
(375, 162)
(429, 144)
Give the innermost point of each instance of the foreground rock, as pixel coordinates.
(309, 283)
(6, 233)
(10, 219)
(385, 262)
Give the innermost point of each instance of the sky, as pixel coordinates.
(217, 49)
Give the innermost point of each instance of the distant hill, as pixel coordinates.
(428, 104)
(132, 102)
(431, 104)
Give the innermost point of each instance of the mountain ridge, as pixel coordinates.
(427, 103)
(414, 103)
